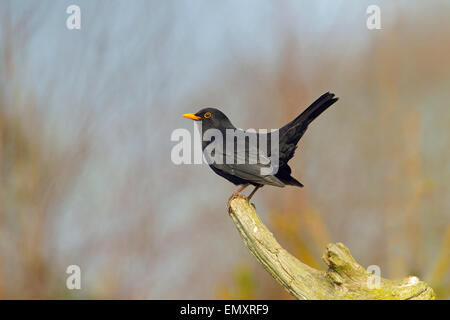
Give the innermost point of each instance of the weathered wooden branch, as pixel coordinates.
(344, 279)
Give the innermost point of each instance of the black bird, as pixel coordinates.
(250, 173)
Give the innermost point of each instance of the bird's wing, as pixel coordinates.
(249, 172)
(247, 165)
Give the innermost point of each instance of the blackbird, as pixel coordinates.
(246, 174)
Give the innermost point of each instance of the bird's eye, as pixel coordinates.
(207, 115)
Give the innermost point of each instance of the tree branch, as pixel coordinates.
(344, 279)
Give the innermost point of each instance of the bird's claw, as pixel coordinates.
(235, 196)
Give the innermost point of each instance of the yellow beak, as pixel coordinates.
(191, 116)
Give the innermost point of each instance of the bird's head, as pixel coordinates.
(210, 118)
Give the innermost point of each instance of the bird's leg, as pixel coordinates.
(236, 194)
(253, 192)
(239, 191)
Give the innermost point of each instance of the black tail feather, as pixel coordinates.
(294, 182)
(314, 110)
(290, 134)
(295, 129)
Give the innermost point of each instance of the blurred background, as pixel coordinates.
(86, 117)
